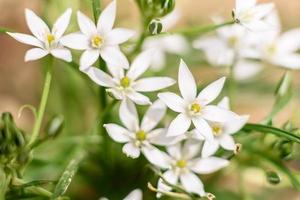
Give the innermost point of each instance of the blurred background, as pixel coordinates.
(74, 96)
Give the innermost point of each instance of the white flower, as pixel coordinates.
(173, 44)
(184, 163)
(125, 85)
(136, 194)
(222, 132)
(101, 40)
(250, 15)
(141, 137)
(46, 41)
(194, 108)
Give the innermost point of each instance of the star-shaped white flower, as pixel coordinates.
(193, 108)
(136, 194)
(184, 163)
(222, 132)
(250, 15)
(46, 41)
(141, 137)
(172, 44)
(126, 84)
(101, 40)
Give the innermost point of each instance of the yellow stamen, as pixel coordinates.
(50, 38)
(97, 41)
(195, 107)
(125, 82)
(232, 41)
(141, 135)
(181, 163)
(217, 129)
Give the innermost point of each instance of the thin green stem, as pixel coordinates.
(43, 103)
(4, 30)
(272, 130)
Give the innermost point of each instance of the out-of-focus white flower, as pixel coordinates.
(250, 15)
(141, 137)
(101, 40)
(46, 41)
(184, 163)
(173, 44)
(222, 132)
(193, 108)
(125, 85)
(136, 194)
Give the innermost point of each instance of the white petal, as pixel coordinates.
(131, 150)
(186, 82)
(175, 44)
(86, 25)
(289, 41)
(26, 39)
(156, 157)
(290, 61)
(203, 127)
(62, 23)
(169, 176)
(35, 54)
(241, 5)
(117, 72)
(117, 133)
(136, 194)
(175, 151)
(173, 101)
(212, 91)
(209, 165)
(138, 98)
(114, 56)
(179, 125)
(170, 20)
(262, 10)
(210, 148)
(118, 36)
(153, 115)
(89, 57)
(191, 148)
(216, 114)
(235, 124)
(77, 41)
(227, 142)
(100, 77)
(128, 115)
(116, 93)
(153, 84)
(62, 53)
(192, 183)
(107, 18)
(140, 64)
(224, 103)
(244, 70)
(36, 25)
(159, 137)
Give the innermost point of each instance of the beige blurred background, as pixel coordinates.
(20, 82)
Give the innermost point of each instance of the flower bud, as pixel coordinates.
(55, 126)
(155, 8)
(155, 27)
(273, 178)
(284, 86)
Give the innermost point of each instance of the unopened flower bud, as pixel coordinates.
(55, 126)
(155, 27)
(273, 178)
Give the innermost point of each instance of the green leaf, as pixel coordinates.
(67, 177)
(271, 130)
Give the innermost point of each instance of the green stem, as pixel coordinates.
(96, 4)
(272, 130)
(4, 30)
(43, 103)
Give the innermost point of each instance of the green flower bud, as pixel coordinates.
(155, 27)
(284, 86)
(55, 126)
(155, 8)
(273, 178)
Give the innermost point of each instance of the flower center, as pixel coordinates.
(232, 41)
(272, 49)
(141, 135)
(217, 129)
(181, 163)
(50, 38)
(97, 41)
(125, 82)
(195, 107)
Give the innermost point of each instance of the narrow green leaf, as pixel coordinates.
(96, 9)
(67, 177)
(272, 130)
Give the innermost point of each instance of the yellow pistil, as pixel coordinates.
(195, 107)
(97, 41)
(217, 129)
(232, 41)
(272, 49)
(181, 163)
(141, 135)
(50, 38)
(125, 82)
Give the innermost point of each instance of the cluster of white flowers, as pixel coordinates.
(193, 137)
